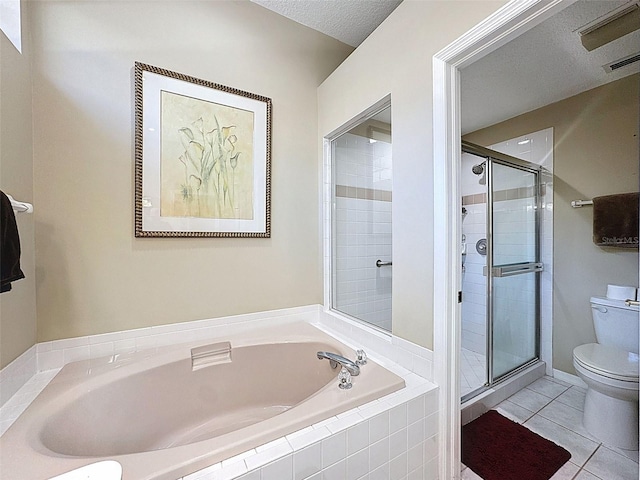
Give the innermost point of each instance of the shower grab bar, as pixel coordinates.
(380, 263)
(514, 269)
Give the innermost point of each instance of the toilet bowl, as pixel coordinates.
(610, 370)
(611, 403)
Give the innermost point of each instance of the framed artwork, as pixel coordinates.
(202, 158)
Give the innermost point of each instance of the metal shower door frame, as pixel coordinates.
(491, 157)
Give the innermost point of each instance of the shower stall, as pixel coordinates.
(501, 267)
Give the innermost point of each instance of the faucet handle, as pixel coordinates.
(361, 357)
(345, 379)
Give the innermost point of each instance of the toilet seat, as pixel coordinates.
(607, 361)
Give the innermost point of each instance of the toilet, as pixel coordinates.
(610, 370)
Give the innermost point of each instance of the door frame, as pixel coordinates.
(507, 23)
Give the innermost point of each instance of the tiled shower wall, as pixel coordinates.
(474, 283)
(362, 229)
(536, 148)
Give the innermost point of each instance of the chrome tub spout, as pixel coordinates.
(335, 360)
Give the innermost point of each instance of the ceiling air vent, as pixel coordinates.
(610, 27)
(623, 62)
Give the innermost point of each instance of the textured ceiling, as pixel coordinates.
(350, 21)
(544, 65)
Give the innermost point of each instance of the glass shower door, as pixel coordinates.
(514, 260)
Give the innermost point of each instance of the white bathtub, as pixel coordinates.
(161, 418)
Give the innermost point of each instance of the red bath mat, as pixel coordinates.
(497, 448)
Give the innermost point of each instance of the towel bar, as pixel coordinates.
(581, 203)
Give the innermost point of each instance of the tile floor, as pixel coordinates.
(553, 409)
(473, 371)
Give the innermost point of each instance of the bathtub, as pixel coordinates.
(175, 410)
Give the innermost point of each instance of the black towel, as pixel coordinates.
(615, 220)
(9, 246)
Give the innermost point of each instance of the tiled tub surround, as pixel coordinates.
(299, 450)
(363, 229)
(16, 374)
(212, 407)
(46, 356)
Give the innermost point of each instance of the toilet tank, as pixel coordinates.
(616, 324)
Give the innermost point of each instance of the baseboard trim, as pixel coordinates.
(569, 378)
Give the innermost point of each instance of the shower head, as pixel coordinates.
(478, 169)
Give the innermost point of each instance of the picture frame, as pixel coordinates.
(202, 157)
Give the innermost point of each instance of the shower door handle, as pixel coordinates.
(380, 263)
(514, 269)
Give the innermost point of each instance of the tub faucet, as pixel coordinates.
(335, 360)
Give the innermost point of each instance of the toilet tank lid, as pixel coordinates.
(608, 302)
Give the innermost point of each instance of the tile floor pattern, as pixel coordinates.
(473, 371)
(553, 409)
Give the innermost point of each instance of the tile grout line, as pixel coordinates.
(545, 405)
(552, 398)
(572, 431)
(537, 411)
(587, 461)
(569, 429)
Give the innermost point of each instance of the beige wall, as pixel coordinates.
(17, 307)
(93, 275)
(595, 153)
(397, 59)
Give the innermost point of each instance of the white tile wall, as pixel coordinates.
(17, 374)
(470, 182)
(387, 348)
(362, 231)
(474, 283)
(394, 437)
(57, 353)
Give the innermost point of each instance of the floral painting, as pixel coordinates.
(206, 159)
(202, 157)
